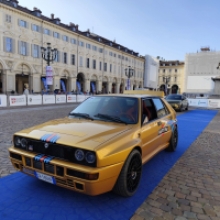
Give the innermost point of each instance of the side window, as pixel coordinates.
(148, 111)
(160, 108)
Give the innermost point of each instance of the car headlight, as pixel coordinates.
(17, 141)
(24, 142)
(79, 155)
(90, 157)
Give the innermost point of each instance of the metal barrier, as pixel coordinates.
(23, 100)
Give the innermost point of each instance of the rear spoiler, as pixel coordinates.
(145, 92)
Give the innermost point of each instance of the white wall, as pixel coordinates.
(151, 72)
(200, 82)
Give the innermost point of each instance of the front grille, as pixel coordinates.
(15, 156)
(38, 165)
(64, 182)
(56, 150)
(49, 168)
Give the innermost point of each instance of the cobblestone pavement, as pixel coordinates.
(15, 119)
(191, 189)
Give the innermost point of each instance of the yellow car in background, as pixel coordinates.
(101, 146)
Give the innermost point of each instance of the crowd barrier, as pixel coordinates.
(23, 100)
(205, 103)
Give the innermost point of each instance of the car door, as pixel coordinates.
(149, 129)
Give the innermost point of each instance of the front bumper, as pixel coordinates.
(88, 180)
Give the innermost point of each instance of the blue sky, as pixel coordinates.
(165, 28)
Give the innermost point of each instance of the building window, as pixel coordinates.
(100, 65)
(94, 64)
(94, 48)
(105, 67)
(56, 35)
(175, 70)
(119, 56)
(65, 57)
(23, 48)
(46, 31)
(81, 44)
(87, 62)
(8, 18)
(164, 70)
(73, 41)
(8, 44)
(73, 59)
(100, 50)
(35, 51)
(35, 28)
(175, 78)
(88, 46)
(110, 68)
(65, 38)
(80, 61)
(170, 70)
(23, 23)
(57, 58)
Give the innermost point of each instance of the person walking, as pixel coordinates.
(26, 91)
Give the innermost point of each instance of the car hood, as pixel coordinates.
(80, 133)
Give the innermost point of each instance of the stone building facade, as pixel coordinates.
(84, 62)
(171, 77)
(202, 76)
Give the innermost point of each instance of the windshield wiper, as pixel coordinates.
(83, 115)
(110, 117)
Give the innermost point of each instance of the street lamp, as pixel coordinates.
(129, 72)
(166, 79)
(218, 66)
(48, 54)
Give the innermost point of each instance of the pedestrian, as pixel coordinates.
(26, 91)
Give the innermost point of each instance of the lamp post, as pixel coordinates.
(48, 54)
(218, 66)
(129, 72)
(166, 79)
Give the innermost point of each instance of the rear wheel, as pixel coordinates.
(129, 178)
(187, 107)
(173, 140)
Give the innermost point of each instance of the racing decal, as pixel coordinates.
(50, 138)
(43, 158)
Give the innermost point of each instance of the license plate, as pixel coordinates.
(45, 177)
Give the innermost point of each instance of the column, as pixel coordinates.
(117, 88)
(99, 86)
(30, 82)
(56, 82)
(72, 83)
(109, 87)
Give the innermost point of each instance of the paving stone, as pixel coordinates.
(189, 215)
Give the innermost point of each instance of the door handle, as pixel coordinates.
(159, 123)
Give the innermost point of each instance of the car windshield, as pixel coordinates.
(174, 97)
(108, 108)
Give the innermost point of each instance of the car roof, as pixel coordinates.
(131, 95)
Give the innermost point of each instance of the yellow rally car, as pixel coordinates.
(101, 146)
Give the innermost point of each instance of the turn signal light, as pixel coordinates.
(94, 176)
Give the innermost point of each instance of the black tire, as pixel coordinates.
(180, 109)
(173, 140)
(187, 107)
(129, 178)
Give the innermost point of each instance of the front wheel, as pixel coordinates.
(129, 178)
(173, 140)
